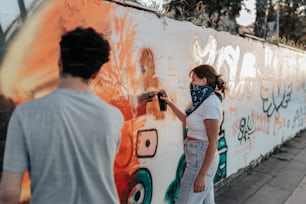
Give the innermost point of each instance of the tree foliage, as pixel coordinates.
(217, 14)
(262, 8)
(292, 19)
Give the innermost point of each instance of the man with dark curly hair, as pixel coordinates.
(68, 139)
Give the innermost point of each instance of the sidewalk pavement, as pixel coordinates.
(279, 179)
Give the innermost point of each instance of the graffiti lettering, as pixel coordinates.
(246, 128)
(298, 118)
(276, 93)
(261, 122)
(281, 95)
(279, 122)
(240, 80)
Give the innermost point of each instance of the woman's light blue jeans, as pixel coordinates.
(195, 153)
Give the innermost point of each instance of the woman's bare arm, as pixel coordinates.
(179, 114)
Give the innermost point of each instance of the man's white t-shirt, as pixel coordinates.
(211, 108)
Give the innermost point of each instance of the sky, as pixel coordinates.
(245, 18)
(9, 11)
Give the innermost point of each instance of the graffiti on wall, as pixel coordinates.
(275, 91)
(257, 108)
(240, 79)
(268, 82)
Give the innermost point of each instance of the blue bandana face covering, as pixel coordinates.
(198, 95)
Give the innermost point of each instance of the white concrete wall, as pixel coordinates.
(263, 108)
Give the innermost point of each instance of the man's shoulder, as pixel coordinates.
(115, 111)
(36, 103)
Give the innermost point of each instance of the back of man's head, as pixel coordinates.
(83, 52)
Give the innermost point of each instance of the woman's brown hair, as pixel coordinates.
(213, 78)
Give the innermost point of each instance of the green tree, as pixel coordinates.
(292, 20)
(262, 11)
(217, 14)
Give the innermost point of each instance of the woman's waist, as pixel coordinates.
(195, 143)
(196, 139)
(197, 133)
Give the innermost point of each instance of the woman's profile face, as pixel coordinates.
(195, 80)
